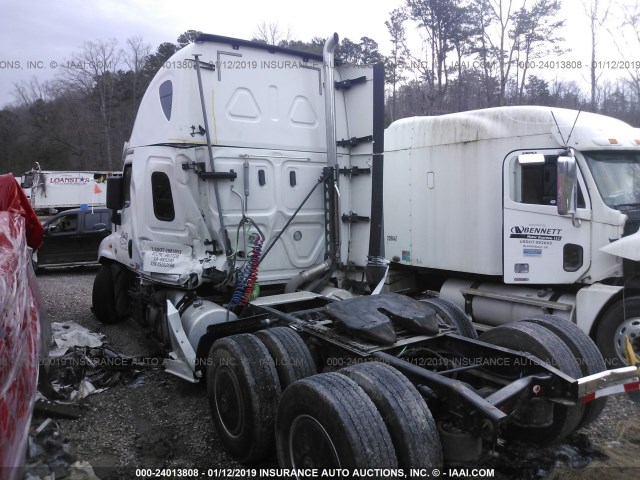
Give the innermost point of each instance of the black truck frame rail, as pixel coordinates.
(477, 384)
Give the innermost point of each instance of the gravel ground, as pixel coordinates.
(159, 421)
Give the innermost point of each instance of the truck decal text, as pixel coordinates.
(167, 258)
(536, 233)
(69, 180)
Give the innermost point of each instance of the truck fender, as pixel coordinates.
(590, 302)
(105, 251)
(186, 332)
(195, 321)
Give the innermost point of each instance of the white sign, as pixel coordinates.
(166, 257)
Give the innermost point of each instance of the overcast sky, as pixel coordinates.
(37, 34)
(49, 31)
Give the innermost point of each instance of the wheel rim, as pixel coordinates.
(310, 445)
(629, 328)
(228, 401)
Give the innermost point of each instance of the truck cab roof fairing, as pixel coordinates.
(237, 43)
(256, 95)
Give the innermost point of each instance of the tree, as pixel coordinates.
(156, 60)
(464, 39)
(10, 125)
(92, 73)
(501, 37)
(363, 53)
(537, 91)
(537, 29)
(436, 19)
(56, 127)
(166, 50)
(597, 13)
(628, 46)
(514, 32)
(396, 62)
(272, 34)
(483, 18)
(136, 57)
(188, 37)
(616, 100)
(316, 45)
(566, 94)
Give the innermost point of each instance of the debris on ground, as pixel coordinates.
(81, 365)
(70, 334)
(160, 421)
(516, 459)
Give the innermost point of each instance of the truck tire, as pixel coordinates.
(619, 320)
(243, 392)
(290, 354)
(586, 352)
(546, 345)
(328, 421)
(453, 315)
(103, 297)
(109, 296)
(413, 431)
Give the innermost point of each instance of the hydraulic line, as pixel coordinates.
(248, 277)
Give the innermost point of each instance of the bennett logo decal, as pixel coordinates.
(536, 233)
(536, 230)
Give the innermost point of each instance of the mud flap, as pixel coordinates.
(632, 361)
(182, 357)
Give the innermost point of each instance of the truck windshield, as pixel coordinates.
(617, 175)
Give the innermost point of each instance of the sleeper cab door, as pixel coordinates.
(540, 246)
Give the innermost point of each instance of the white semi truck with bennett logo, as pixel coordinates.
(515, 211)
(244, 212)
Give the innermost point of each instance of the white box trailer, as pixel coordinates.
(476, 208)
(60, 190)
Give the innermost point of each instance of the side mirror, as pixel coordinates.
(567, 193)
(115, 194)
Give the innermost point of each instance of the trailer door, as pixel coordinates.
(539, 245)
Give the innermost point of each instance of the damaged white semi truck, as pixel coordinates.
(516, 211)
(250, 203)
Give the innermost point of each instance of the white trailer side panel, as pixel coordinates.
(444, 176)
(436, 191)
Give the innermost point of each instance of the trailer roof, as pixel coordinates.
(502, 122)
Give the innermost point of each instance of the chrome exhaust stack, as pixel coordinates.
(330, 98)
